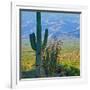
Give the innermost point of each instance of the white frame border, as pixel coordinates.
(15, 82)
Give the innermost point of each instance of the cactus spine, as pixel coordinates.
(37, 44)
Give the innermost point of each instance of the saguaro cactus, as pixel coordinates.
(37, 44)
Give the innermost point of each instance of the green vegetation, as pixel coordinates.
(68, 62)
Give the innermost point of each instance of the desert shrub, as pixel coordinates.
(50, 57)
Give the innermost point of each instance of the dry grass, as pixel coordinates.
(27, 60)
(70, 58)
(67, 58)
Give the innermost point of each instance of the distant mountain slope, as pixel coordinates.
(64, 26)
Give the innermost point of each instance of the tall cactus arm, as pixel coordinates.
(38, 15)
(32, 41)
(45, 39)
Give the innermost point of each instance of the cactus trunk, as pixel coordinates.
(38, 52)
